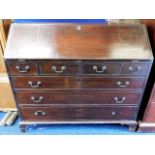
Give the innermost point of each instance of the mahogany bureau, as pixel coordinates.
(76, 73)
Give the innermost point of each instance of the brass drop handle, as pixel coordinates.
(113, 113)
(103, 68)
(40, 113)
(23, 69)
(123, 84)
(134, 70)
(37, 99)
(119, 100)
(62, 68)
(79, 78)
(34, 85)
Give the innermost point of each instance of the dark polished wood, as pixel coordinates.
(135, 68)
(150, 23)
(101, 68)
(147, 124)
(147, 119)
(78, 97)
(22, 68)
(77, 72)
(149, 115)
(66, 67)
(77, 41)
(79, 82)
(61, 113)
(59, 67)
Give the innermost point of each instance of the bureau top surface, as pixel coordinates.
(77, 41)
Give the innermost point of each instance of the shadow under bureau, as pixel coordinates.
(76, 73)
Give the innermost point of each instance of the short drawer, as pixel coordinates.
(63, 113)
(78, 97)
(135, 68)
(101, 67)
(59, 67)
(22, 67)
(78, 82)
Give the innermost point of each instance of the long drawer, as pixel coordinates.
(78, 82)
(78, 97)
(69, 113)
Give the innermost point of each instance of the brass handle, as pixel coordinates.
(34, 85)
(123, 84)
(23, 69)
(54, 68)
(134, 70)
(40, 113)
(37, 99)
(78, 78)
(113, 113)
(119, 100)
(103, 68)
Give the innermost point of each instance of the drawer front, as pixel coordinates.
(135, 68)
(113, 82)
(59, 67)
(63, 113)
(78, 97)
(101, 68)
(22, 68)
(78, 82)
(44, 82)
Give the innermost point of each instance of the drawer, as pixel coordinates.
(101, 67)
(78, 82)
(78, 97)
(45, 82)
(59, 67)
(113, 82)
(22, 68)
(135, 68)
(70, 113)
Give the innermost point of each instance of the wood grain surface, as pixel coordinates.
(77, 41)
